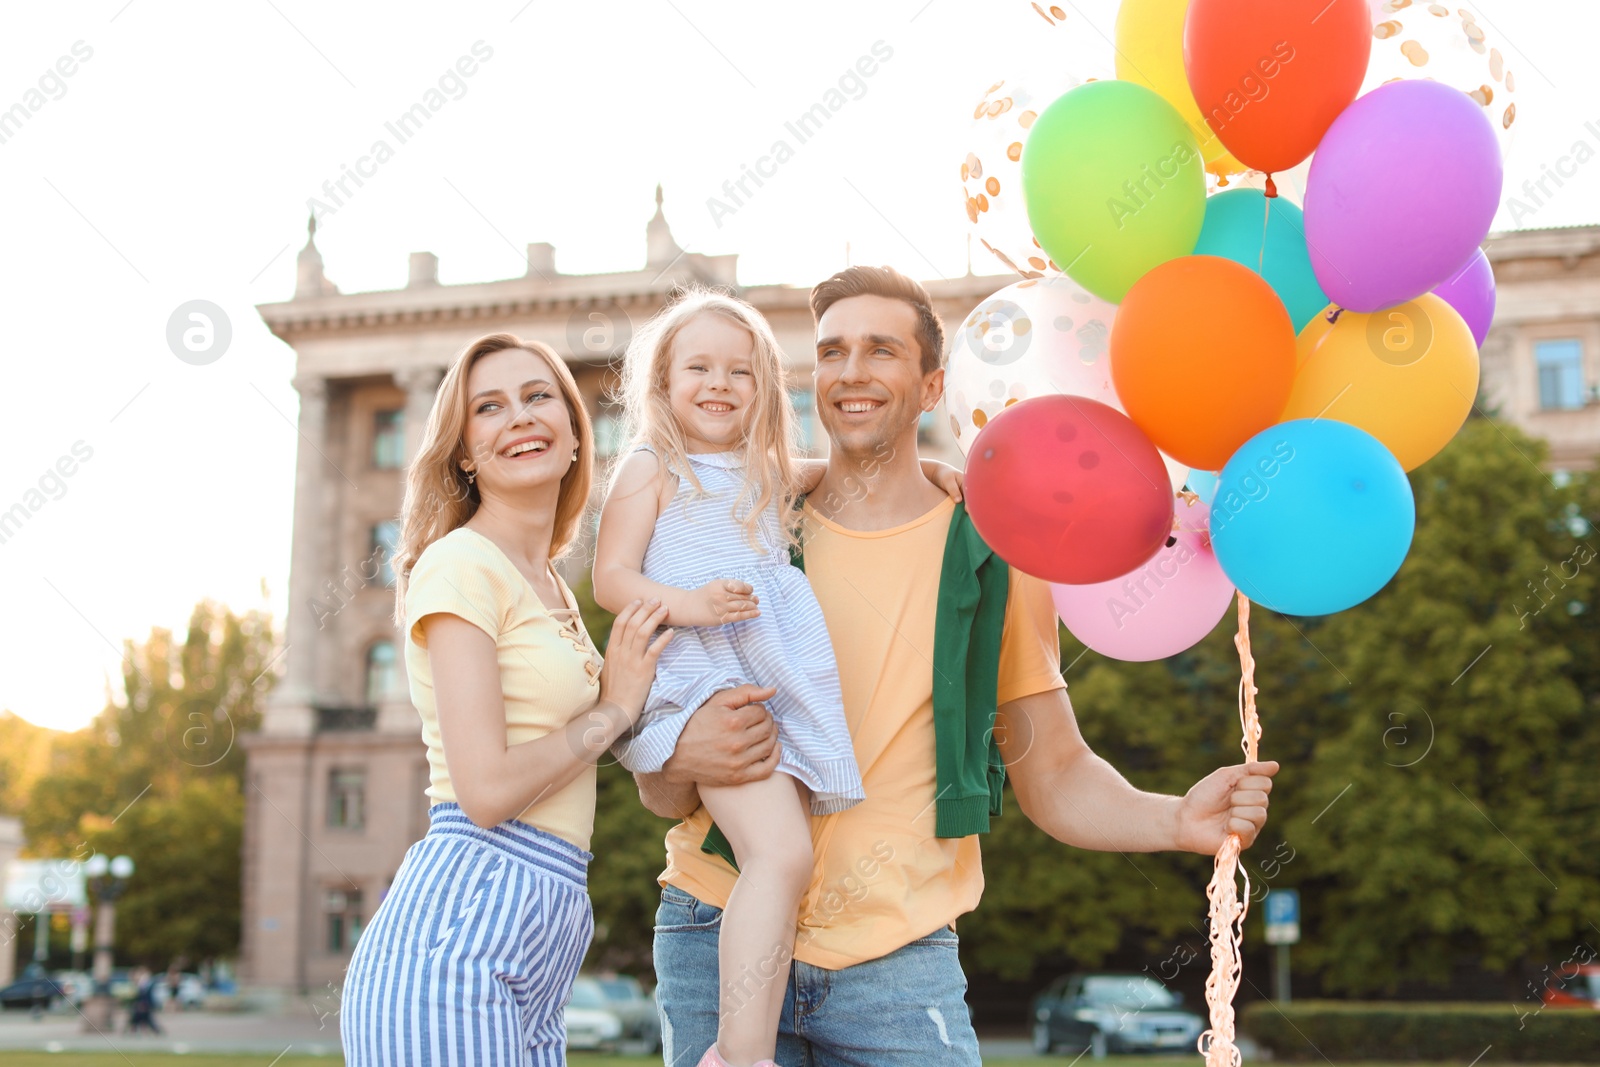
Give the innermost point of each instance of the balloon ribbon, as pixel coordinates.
(1228, 907)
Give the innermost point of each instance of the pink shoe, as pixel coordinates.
(713, 1058)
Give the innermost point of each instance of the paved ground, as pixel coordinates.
(295, 1028)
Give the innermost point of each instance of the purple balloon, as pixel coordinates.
(1403, 187)
(1470, 291)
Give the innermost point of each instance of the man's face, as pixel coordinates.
(869, 381)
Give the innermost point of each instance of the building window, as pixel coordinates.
(347, 790)
(389, 440)
(1560, 374)
(382, 673)
(805, 416)
(343, 907)
(382, 543)
(607, 433)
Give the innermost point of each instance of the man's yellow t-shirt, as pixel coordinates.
(882, 879)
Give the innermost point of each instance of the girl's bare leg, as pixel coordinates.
(769, 826)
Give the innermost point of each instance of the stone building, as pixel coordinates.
(335, 777)
(1541, 360)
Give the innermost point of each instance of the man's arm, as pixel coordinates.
(729, 740)
(1078, 798)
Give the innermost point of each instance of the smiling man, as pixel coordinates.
(950, 671)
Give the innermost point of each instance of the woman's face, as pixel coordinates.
(518, 435)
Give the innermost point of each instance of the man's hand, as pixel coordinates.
(730, 740)
(1228, 800)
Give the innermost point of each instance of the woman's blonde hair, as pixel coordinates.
(647, 415)
(438, 496)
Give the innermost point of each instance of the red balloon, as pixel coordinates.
(1270, 76)
(1069, 490)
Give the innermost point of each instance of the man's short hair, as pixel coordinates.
(890, 283)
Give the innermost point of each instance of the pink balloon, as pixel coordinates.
(1157, 610)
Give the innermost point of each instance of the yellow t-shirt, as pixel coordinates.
(549, 669)
(882, 879)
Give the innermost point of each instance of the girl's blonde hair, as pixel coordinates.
(769, 439)
(438, 496)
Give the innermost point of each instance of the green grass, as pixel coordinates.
(577, 1059)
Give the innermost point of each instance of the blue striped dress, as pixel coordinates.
(697, 539)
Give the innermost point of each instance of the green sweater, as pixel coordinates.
(970, 619)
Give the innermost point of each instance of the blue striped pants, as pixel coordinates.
(472, 954)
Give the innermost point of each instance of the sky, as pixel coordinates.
(176, 162)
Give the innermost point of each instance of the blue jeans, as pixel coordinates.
(905, 1008)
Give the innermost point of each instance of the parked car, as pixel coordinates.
(591, 1024)
(35, 990)
(76, 986)
(1106, 1013)
(1578, 989)
(191, 991)
(641, 1024)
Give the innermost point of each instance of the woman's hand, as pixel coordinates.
(945, 477)
(631, 656)
(718, 601)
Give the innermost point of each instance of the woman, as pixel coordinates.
(472, 953)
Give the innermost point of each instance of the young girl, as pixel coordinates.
(697, 518)
(474, 949)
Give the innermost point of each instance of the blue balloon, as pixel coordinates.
(1312, 516)
(1238, 227)
(1203, 484)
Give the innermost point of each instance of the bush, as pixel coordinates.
(1326, 1030)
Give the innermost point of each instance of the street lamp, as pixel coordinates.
(107, 878)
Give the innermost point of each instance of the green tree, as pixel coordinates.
(184, 896)
(24, 756)
(158, 774)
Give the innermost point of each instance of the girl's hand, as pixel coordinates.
(631, 656)
(945, 477)
(718, 601)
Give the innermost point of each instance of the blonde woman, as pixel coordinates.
(473, 952)
(697, 518)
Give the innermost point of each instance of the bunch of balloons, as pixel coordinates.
(1180, 323)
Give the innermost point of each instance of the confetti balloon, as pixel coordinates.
(1038, 337)
(991, 171)
(1450, 45)
(1043, 60)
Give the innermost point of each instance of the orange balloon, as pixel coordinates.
(1202, 357)
(1270, 76)
(1407, 375)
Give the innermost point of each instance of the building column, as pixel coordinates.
(420, 384)
(289, 710)
(395, 713)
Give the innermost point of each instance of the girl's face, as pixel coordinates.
(711, 382)
(518, 434)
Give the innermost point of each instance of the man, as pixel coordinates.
(932, 634)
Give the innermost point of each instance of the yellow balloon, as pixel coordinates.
(1150, 53)
(1406, 375)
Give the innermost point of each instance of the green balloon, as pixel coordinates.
(1114, 183)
